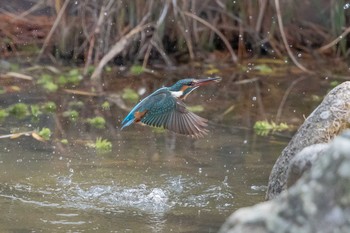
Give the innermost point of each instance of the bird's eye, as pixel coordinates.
(191, 83)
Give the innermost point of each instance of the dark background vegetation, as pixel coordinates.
(171, 32)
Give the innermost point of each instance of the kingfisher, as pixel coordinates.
(165, 108)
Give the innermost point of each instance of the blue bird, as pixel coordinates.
(165, 108)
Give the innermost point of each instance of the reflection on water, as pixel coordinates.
(159, 183)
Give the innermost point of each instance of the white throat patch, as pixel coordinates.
(177, 94)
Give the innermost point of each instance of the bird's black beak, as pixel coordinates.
(206, 81)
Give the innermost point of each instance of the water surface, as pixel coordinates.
(159, 183)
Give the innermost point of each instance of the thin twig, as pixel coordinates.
(284, 38)
(334, 42)
(222, 36)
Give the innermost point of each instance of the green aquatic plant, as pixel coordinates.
(77, 104)
(101, 145)
(263, 128)
(97, 122)
(64, 141)
(72, 77)
(19, 110)
(45, 133)
(47, 83)
(35, 111)
(71, 114)
(106, 106)
(136, 69)
(130, 95)
(3, 114)
(49, 107)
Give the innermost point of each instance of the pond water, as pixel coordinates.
(151, 181)
(158, 183)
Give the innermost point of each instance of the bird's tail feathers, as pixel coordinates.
(127, 121)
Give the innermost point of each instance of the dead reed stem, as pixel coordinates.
(222, 36)
(53, 28)
(284, 38)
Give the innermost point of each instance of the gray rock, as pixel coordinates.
(303, 161)
(319, 202)
(327, 120)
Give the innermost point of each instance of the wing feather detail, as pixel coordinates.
(167, 112)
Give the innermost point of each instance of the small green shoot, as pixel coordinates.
(97, 122)
(263, 128)
(130, 95)
(106, 106)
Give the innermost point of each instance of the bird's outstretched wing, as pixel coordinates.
(163, 110)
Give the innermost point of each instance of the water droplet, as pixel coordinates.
(254, 98)
(299, 54)
(245, 141)
(200, 170)
(71, 170)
